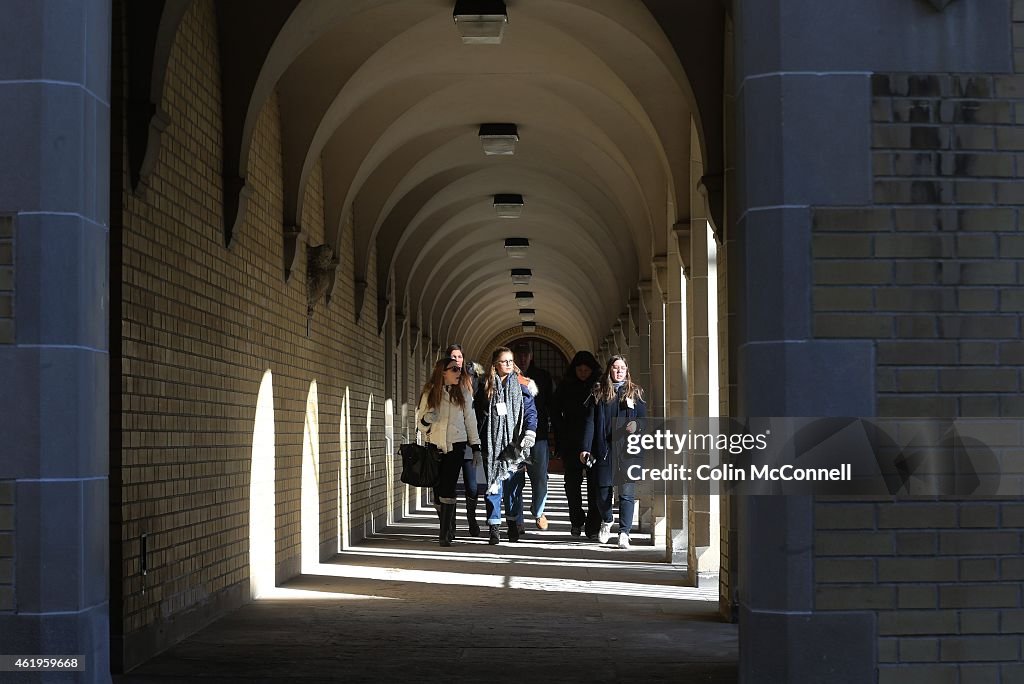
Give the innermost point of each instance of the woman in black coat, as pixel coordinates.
(618, 409)
(569, 412)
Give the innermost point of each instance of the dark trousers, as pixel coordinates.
(627, 505)
(451, 467)
(574, 474)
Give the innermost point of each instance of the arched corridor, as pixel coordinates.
(237, 237)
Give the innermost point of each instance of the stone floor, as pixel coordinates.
(399, 608)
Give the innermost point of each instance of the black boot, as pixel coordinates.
(495, 534)
(474, 526)
(447, 531)
(513, 529)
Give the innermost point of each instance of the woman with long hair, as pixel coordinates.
(470, 458)
(618, 409)
(569, 412)
(508, 426)
(446, 418)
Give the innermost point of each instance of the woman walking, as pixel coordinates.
(508, 426)
(467, 381)
(446, 418)
(618, 409)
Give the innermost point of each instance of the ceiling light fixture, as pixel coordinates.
(524, 297)
(521, 276)
(499, 139)
(516, 248)
(508, 206)
(527, 314)
(480, 22)
(529, 326)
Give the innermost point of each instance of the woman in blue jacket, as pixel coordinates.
(618, 409)
(507, 418)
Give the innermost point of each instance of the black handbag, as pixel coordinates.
(421, 464)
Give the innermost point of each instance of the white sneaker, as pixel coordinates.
(623, 540)
(605, 534)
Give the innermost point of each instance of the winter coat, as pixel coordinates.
(433, 424)
(493, 464)
(569, 412)
(545, 389)
(604, 426)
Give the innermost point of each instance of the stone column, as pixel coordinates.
(54, 271)
(792, 97)
(703, 549)
(654, 307)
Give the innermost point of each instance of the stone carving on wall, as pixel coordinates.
(320, 268)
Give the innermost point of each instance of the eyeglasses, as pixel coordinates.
(507, 362)
(452, 368)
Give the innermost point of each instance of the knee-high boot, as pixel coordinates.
(447, 531)
(474, 526)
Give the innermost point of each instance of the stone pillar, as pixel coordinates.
(792, 97)
(54, 194)
(703, 549)
(677, 373)
(654, 307)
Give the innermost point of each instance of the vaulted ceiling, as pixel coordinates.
(386, 95)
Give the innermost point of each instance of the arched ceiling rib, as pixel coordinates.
(384, 94)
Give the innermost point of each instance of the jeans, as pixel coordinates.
(627, 505)
(469, 475)
(537, 469)
(508, 495)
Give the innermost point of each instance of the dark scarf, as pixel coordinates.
(504, 433)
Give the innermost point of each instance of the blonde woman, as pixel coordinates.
(446, 419)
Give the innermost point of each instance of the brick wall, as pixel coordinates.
(7, 546)
(6, 280)
(201, 324)
(933, 273)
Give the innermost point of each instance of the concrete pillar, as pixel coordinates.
(676, 374)
(792, 97)
(54, 351)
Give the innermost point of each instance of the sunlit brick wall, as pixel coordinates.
(201, 324)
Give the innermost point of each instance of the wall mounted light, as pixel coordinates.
(499, 139)
(521, 276)
(529, 327)
(527, 314)
(524, 297)
(480, 22)
(516, 248)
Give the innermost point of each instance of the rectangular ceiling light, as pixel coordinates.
(499, 139)
(529, 326)
(521, 276)
(524, 297)
(508, 206)
(516, 248)
(527, 314)
(480, 22)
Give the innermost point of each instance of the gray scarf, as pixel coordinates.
(504, 433)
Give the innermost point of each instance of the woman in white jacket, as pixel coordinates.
(446, 418)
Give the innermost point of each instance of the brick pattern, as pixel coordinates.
(200, 326)
(7, 593)
(7, 280)
(933, 272)
(944, 577)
